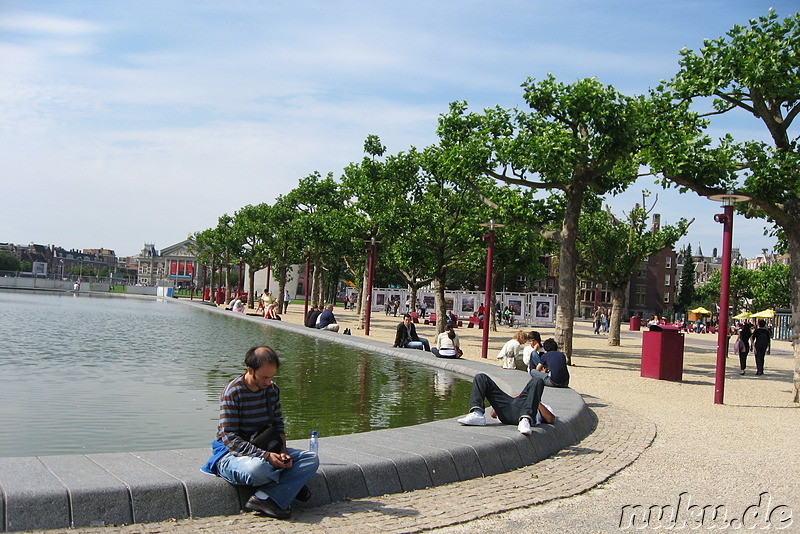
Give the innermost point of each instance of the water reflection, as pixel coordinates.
(100, 374)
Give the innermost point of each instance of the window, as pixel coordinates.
(641, 294)
(666, 297)
(668, 264)
(667, 280)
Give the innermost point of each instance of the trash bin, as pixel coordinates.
(636, 323)
(662, 353)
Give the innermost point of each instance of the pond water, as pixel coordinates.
(81, 374)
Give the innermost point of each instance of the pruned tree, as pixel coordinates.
(754, 69)
(612, 250)
(578, 137)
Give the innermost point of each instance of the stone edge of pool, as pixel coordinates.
(46, 492)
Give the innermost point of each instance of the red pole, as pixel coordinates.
(308, 266)
(487, 305)
(724, 289)
(368, 296)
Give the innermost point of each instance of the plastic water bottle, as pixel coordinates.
(313, 444)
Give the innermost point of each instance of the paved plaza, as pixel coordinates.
(657, 444)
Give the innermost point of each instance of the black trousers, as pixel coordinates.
(509, 409)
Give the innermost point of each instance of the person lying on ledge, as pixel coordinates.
(247, 405)
(524, 409)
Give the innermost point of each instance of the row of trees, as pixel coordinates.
(543, 172)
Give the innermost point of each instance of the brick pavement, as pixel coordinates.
(619, 438)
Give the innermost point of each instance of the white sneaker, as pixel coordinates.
(524, 426)
(473, 419)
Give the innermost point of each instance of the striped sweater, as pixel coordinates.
(242, 412)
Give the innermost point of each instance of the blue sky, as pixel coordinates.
(130, 122)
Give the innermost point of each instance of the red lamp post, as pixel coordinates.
(726, 219)
(487, 312)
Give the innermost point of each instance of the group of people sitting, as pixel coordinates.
(526, 352)
(447, 344)
(321, 317)
(269, 306)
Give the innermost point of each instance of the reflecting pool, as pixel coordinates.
(81, 374)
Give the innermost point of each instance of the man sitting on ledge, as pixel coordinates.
(524, 409)
(406, 336)
(247, 404)
(326, 320)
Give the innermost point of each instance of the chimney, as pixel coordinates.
(656, 222)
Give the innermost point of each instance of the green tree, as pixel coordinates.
(753, 69)
(8, 262)
(253, 225)
(771, 287)
(579, 137)
(740, 293)
(612, 250)
(378, 190)
(324, 228)
(686, 294)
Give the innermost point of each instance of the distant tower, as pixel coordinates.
(656, 222)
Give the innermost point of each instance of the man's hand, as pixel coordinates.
(279, 460)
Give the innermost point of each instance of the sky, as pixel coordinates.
(124, 123)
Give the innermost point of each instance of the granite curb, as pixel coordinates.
(618, 439)
(122, 488)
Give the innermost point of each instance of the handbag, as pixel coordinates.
(267, 438)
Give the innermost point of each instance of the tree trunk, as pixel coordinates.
(440, 306)
(412, 298)
(615, 321)
(251, 280)
(567, 267)
(362, 300)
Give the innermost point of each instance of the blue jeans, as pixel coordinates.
(546, 378)
(509, 409)
(421, 344)
(282, 485)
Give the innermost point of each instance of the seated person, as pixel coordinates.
(326, 320)
(447, 344)
(524, 409)
(553, 366)
(238, 306)
(406, 336)
(532, 353)
(311, 317)
(512, 352)
(271, 311)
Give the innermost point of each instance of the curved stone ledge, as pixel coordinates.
(103, 489)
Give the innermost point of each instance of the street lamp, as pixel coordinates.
(370, 273)
(726, 219)
(487, 311)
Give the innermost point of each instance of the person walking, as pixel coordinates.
(742, 345)
(761, 345)
(287, 298)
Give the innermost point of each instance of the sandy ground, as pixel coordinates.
(742, 455)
